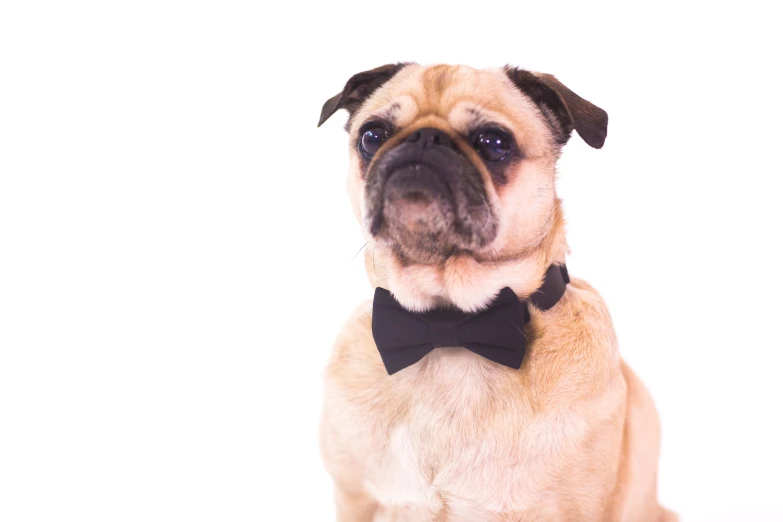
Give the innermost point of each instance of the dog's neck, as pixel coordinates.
(463, 281)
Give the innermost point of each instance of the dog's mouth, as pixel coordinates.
(428, 205)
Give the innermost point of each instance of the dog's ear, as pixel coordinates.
(358, 89)
(562, 107)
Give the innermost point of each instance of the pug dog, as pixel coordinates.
(482, 384)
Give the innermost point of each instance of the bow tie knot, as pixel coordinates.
(444, 333)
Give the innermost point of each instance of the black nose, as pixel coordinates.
(428, 137)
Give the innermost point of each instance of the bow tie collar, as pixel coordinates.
(497, 333)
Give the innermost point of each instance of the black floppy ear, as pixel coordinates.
(562, 107)
(358, 89)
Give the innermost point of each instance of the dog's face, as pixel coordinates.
(452, 161)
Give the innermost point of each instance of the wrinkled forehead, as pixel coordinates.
(461, 97)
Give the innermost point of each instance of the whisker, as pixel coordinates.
(357, 253)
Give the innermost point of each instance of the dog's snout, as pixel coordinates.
(427, 199)
(428, 137)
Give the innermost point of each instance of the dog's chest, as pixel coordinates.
(467, 449)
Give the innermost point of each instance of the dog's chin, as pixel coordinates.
(418, 245)
(421, 221)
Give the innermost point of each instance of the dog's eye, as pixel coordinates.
(494, 145)
(371, 140)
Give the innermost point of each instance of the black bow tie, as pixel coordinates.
(498, 332)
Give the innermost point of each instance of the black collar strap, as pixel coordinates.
(551, 290)
(497, 332)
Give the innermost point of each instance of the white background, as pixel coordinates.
(177, 250)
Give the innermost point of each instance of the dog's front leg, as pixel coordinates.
(354, 506)
(353, 503)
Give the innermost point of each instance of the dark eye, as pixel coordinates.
(371, 140)
(494, 145)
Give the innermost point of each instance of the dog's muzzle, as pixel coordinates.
(427, 200)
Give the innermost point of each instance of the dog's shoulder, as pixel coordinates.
(574, 352)
(585, 308)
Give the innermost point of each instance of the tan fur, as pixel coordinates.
(571, 436)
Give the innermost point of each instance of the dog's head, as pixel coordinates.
(450, 162)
